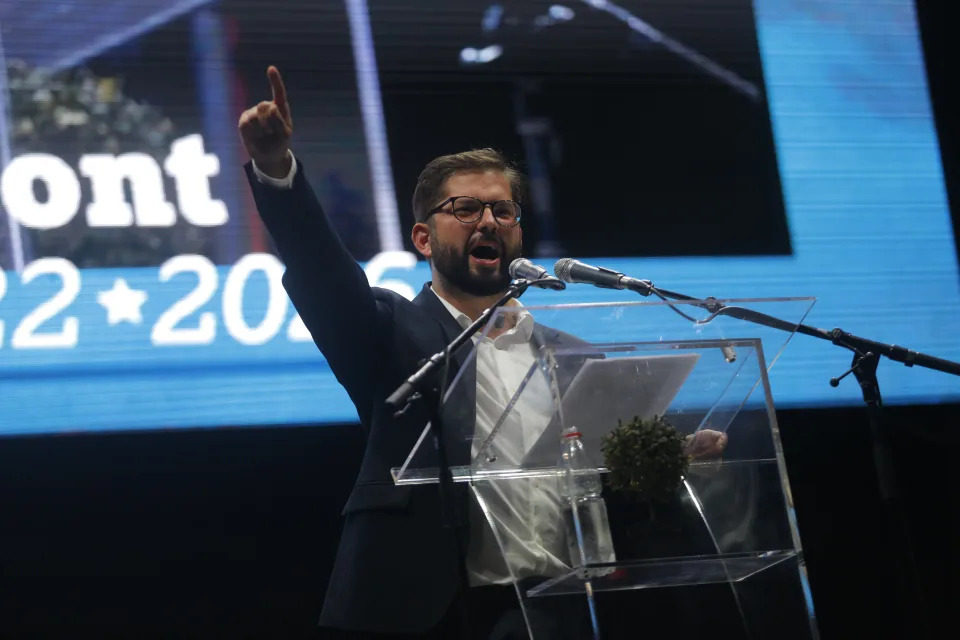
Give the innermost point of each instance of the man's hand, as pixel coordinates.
(706, 444)
(266, 130)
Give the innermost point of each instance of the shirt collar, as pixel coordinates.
(523, 328)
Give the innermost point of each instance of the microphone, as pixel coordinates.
(570, 270)
(523, 269)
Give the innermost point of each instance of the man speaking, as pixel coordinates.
(395, 571)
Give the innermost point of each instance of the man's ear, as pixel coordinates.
(420, 236)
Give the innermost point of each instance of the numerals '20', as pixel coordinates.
(172, 327)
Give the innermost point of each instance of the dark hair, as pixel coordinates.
(430, 184)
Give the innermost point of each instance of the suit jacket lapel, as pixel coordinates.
(460, 413)
(428, 301)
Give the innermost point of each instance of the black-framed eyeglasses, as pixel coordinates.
(470, 209)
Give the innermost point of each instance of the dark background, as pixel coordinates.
(632, 138)
(231, 533)
(628, 138)
(159, 71)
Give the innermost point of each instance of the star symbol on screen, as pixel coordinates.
(122, 303)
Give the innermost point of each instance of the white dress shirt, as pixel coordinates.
(280, 183)
(525, 512)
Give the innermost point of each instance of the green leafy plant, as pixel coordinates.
(647, 459)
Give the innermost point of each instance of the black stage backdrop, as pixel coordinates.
(231, 533)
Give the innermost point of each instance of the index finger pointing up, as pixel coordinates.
(279, 92)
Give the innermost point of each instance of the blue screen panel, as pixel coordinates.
(207, 338)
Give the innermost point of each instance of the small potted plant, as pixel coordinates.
(647, 460)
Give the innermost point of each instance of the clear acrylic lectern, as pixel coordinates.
(727, 542)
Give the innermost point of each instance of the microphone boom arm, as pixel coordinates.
(866, 358)
(839, 337)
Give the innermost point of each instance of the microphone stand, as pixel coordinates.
(866, 358)
(423, 386)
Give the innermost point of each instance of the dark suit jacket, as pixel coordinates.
(395, 569)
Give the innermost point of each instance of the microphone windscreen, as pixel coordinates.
(515, 266)
(562, 268)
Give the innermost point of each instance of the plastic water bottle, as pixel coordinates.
(583, 508)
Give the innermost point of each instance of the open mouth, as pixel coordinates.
(485, 254)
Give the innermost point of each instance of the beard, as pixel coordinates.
(453, 264)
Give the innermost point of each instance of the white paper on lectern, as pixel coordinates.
(610, 389)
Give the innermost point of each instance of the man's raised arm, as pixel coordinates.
(327, 286)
